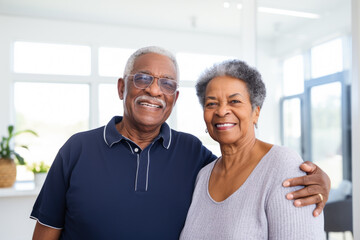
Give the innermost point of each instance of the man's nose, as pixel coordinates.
(154, 89)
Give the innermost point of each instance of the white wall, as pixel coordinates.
(14, 218)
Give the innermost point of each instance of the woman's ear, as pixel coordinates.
(256, 114)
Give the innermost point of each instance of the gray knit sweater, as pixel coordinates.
(258, 209)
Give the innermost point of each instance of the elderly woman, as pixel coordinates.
(240, 195)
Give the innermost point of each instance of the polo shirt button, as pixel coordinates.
(136, 149)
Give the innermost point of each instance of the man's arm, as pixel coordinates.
(43, 232)
(316, 181)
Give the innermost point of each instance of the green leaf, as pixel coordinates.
(25, 131)
(19, 158)
(10, 129)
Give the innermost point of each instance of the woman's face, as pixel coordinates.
(227, 112)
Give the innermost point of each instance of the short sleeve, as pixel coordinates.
(208, 155)
(50, 205)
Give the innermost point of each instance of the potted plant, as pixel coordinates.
(9, 158)
(40, 171)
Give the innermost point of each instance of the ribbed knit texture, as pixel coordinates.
(258, 209)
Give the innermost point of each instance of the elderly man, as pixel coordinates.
(134, 177)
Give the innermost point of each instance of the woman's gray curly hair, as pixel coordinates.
(236, 69)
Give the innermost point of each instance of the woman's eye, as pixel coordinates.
(210, 104)
(235, 101)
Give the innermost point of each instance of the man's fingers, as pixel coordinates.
(320, 204)
(306, 192)
(299, 181)
(308, 167)
(318, 209)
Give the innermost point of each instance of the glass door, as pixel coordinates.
(326, 129)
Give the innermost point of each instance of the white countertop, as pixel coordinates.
(20, 189)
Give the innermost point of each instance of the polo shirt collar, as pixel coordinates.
(112, 136)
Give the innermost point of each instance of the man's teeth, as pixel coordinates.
(225, 125)
(149, 105)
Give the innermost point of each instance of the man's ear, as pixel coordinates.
(121, 88)
(176, 97)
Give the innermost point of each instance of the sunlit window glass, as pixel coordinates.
(327, 58)
(292, 124)
(190, 118)
(293, 70)
(192, 65)
(46, 58)
(112, 61)
(54, 111)
(326, 130)
(109, 103)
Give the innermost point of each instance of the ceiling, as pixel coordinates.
(205, 16)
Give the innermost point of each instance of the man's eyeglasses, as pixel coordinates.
(142, 81)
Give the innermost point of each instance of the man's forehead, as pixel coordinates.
(155, 63)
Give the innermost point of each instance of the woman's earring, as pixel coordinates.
(206, 130)
(256, 126)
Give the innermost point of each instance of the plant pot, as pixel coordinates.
(39, 179)
(7, 172)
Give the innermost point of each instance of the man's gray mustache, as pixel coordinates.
(151, 99)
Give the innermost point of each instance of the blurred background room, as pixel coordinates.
(60, 61)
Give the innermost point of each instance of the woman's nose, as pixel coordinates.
(223, 110)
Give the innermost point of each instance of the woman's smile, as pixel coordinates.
(224, 126)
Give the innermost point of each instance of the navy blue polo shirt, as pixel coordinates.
(103, 186)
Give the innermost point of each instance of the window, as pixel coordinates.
(46, 58)
(326, 126)
(192, 65)
(109, 103)
(293, 79)
(292, 123)
(54, 111)
(113, 60)
(327, 58)
(316, 116)
(188, 111)
(51, 96)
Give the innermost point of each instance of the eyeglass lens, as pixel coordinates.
(143, 81)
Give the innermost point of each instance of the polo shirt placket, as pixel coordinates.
(111, 137)
(142, 169)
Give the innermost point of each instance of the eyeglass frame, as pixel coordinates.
(152, 81)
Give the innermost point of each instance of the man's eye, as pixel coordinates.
(142, 78)
(235, 101)
(169, 84)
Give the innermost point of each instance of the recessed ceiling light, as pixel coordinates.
(226, 4)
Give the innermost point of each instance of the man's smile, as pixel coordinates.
(150, 102)
(149, 105)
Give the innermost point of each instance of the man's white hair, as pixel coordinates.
(151, 49)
